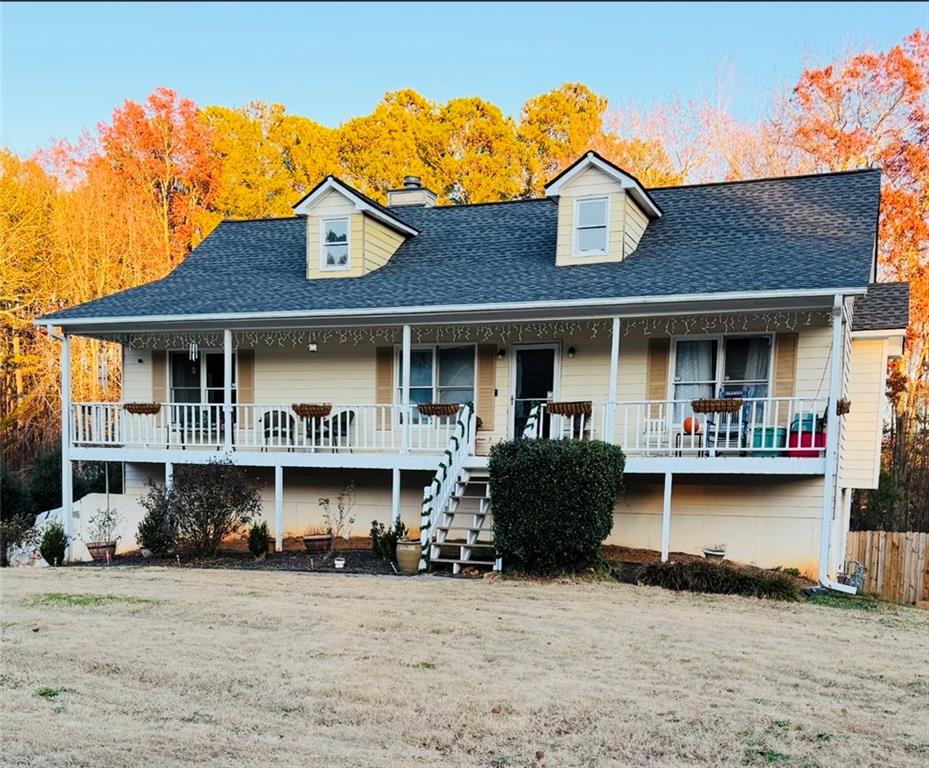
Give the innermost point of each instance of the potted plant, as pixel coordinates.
(259, 540)
(312, 410)
(101, 531)
(438, 409)
(715, 552)
(143, 409)
(339, 520)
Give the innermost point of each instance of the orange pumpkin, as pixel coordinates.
(691, 426)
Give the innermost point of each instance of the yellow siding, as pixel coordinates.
(379, 244)
(590, 182)
(861, 446)
(634, 228)
(137, 375)
(337, 373)
(330, 205)
(761, 522)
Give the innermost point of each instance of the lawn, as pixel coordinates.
(169, 667)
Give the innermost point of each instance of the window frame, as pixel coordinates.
(323, 266)
(575, 235)
(434, 348)
(721, 351)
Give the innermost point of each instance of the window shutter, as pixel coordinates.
(659, 354)
(486, 382)
(245, 389)
(159, 376)
(785, 364)
(384, 376)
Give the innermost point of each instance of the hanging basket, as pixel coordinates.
(571, 408)
(438, 409)
(312, 410)
(146, 409)
(716, 405)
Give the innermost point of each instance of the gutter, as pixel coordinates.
(391, 313)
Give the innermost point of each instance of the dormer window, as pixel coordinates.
(590, 229)
(334, 250)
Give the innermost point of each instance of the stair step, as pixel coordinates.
(460, 528)
(461, 562)
(462, 543)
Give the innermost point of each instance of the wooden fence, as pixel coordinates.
(896, 564)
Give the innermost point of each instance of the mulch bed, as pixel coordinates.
(357, 561)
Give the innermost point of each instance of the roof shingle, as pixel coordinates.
(886, 307)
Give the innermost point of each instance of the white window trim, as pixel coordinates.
(398, 357)
(323, 267)
(720, 358)
(204, 389)
(575, 244)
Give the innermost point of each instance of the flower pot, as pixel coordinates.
(716, 405)
(714, 554)
(438, 409)
(146, 409)
(339, 563)
(408, 554)
(570, 408)
(102, 550)
(318, 542)
(312, 410)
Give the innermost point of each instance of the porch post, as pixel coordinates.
(832, 437)
(169, 476)
(67, 492)
(395, 497)
(405, 388)
(278, 508)
(666, 519)
(227, 389)
(610, 413)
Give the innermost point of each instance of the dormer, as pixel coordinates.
(602, 212)
(347, 233)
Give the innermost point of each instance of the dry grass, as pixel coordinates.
(216, 668)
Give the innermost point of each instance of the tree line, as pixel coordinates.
(125, 204)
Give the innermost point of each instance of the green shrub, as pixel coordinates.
(553, 501)
(210, 502)
(720, 579)
(53, 543)
(258, 539)
(157, 531)
(384, 540)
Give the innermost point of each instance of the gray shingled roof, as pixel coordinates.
(812, 232)
(886, 306)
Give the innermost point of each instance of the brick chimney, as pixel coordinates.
(413, 193)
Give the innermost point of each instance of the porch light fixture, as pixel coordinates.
(501, 353)
(312, 347)
(571, 351)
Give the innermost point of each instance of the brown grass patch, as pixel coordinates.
(258, 668)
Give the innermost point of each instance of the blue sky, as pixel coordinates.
(65, 67)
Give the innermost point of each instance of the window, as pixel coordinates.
(743, 371)
(199, 380)
(438, 375)
(334, 251)
(590, 228)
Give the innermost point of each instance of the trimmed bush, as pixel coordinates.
(720, 579)
(259, 538)
(53, 543)
(553, 501)
(157, 531)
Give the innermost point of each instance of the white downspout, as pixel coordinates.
(832, 448)
(67, 491)
(610, 413)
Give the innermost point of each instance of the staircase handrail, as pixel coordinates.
(437, 494)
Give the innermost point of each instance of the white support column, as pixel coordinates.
(67, 492)
(278, 508)
(227, 389)
(610, 414)
(666, 519)
(395, 497)
(169, 476)
(832, 437)
(405, 387)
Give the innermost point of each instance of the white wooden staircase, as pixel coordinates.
(463, 535)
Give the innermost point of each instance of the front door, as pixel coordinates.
(533, 373)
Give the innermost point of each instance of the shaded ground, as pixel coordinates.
(169, 667)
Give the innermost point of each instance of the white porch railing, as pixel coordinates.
(437, 495)
(764, 427)
(268, 426)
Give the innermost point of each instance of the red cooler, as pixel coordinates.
(806, 432)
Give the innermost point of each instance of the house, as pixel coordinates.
(717, 332)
